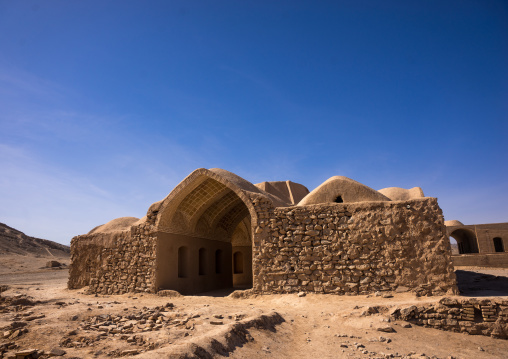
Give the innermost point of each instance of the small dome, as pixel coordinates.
(453, 223)
(116, 225)
(402, 194)
(340, 189)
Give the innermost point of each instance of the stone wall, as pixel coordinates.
(473, 316)
(345, 249)
(114, 263)
(497, 260)
(355, 248)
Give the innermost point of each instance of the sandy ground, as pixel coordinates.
(277, 326)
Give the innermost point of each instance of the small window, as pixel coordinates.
(498, 245)
(202, 261)
(238, 263)
(339, 199)
(218, 261)
(183, 262)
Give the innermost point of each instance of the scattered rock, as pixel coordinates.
(386, 329)
(53, 264)
(216, 322)
(406, 325)
(15, 334)
(56, 352)
(130, 352)
(167, 293)
(241, 294)
(302, 294)
(25, 353)
(401, 289)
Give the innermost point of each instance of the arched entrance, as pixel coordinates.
(466, 240)
(208, 217)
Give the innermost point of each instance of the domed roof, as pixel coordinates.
(402, 194)
(453, 223)
(340, 189)
(116, 225)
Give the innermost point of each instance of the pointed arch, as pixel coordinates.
(182, 208)
(203, 213)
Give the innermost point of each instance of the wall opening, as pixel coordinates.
(238, 263)
(199, 232)
(183, 262)
(498, 244)
(202, 261)
(339, 199)
(466, 241)
(218, 261)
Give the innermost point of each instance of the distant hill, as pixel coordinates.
(455, 248)
(16, 242)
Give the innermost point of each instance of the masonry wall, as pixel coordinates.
(473, 316)
(351, 249)
(114, 263)
(498, 260)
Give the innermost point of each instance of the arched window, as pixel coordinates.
(238, 263)
(202, 261)
(218, 261)
(183, 262)
(498, 244)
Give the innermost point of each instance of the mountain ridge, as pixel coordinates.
(13, 241)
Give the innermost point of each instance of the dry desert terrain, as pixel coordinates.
(39, 315)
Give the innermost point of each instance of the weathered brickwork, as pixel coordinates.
(473, 316)
(116, 263)
(356, 249)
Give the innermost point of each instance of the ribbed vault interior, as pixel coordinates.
(211, 210)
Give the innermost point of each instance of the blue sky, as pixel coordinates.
(105, 106)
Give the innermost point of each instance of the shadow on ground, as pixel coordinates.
(473, 284)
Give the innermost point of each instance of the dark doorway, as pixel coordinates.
(498, 244)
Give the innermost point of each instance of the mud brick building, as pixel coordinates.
(217, 230)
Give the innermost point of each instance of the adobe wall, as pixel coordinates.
(484, 234)
(114, 263)
(487, 317)
(498, 260)
(354, 248)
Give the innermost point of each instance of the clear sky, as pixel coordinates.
(105, 106)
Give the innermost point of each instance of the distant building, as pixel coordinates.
(482, 245)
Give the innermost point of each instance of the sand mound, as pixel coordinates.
(116, 225)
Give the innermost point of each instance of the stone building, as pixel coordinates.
(217, 230)
(483, 245)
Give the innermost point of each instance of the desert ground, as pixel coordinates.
(41, 317)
